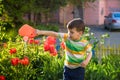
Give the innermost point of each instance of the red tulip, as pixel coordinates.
(51, 48)
(31, 41)
(14, 61)
(2, 77)
(13, 50)
(49, 45)
(36, 41)
(54, 53)
(46, 46)
(24, 61)
(62, 44)
(51, 40)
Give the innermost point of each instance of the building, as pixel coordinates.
(93, 13)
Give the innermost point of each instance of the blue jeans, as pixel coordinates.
(73, 74)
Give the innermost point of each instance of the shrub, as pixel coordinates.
(107, 70)
(51, 27)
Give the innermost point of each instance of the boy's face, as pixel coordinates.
(74, 34)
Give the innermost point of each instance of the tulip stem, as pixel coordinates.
(25, 47)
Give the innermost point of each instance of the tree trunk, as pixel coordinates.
(38, 18)
(46, 19)
(29, 16)
(34, 19)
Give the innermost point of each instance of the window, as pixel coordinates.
(116, 15)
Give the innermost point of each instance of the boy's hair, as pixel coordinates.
(76, 23)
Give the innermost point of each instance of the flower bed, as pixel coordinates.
(31, 60)
(39, 60)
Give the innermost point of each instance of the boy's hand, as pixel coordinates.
(86, 61)
(36, 31)
(84, 64)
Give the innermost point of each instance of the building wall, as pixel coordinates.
(112, 5)
(65, 14)
(102, 11)
(93, 12)
(106, 7)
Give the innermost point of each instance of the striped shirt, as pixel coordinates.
(76, 51)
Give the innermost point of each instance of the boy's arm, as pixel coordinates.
(86, 61)
(46, 33)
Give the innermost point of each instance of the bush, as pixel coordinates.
(51, 27)
(108, 69)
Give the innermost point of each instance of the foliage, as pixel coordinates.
(94, 40)
(43, 66)
(39, 64)
(79, 2)
(53, 68)
(108, 70)
(17, 9)
(51, 27)
(5, 21)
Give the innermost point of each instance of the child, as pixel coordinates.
(78, 51)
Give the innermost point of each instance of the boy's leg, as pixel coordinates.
(66, 74)
(77, 74)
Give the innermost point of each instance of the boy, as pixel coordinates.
(78, 51)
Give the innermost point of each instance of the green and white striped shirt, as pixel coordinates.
(76, 51)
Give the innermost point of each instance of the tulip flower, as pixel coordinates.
(51, 40)
(12, 50)
(49, 45)
(36, 41)
(62, 44)
(51, 48)
(54, 53)
(31, 41)
(46, 46)
(2, 77)
(24, 61)
(14, 61)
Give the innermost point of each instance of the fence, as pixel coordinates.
(102, 50)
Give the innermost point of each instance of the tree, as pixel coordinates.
(78, 7)
(48, 6)
(17, 8)
(5, 20)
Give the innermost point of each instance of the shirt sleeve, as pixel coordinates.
(89, 48)
(64, 36)
(61, 35)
